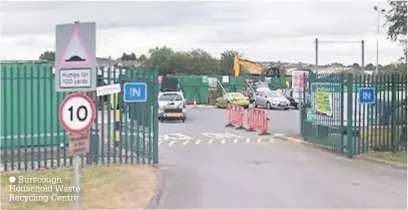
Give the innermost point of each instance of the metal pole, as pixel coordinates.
(77, 182)
(317, 54)
(378, 35)
(362, 55)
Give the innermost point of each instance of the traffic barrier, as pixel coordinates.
(235, 116)
(257, 120)
(116, 126)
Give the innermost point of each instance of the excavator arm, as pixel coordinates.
(238, 64)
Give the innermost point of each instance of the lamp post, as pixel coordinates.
(379, 12)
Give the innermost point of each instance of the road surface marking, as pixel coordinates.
(235, 141)
(185, 143)
(271, 140)
(210, 141)
(171, 143)
(259, 140)
(247, 140)
(198, 141)
(223, 141)
(160, 142)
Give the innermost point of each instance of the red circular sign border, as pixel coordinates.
(93, 110)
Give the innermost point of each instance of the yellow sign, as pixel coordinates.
(173, 114)
(323, 103)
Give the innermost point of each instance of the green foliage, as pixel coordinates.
(397, 24)
(227, 61)
(47, 56)
(128, 57)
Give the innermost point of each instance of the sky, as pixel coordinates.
(261, 30)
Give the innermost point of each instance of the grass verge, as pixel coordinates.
(398, 157)
(102, 187)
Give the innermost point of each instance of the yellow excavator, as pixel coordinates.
(254, 68)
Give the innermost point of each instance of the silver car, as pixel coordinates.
(271, 99)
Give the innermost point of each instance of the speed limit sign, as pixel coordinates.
(77, 113)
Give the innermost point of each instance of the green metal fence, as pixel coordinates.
(332, 116)
(32, 138)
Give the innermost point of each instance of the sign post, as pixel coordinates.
(75, 70)
(77, 113)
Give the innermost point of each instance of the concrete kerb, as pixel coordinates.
(155, 200)
(384, 162)
(359, 157)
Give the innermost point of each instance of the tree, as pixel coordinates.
(142, 58)
(128, 57)
(159, 58)
(47, 56)
(370, 66)
(355, 66)
(396, 20)
(227, 61)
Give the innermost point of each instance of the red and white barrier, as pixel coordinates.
(234, 116)
(255, 119)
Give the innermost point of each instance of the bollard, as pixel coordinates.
(116, 126)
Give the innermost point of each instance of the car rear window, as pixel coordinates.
(170, 97)
(236, 95)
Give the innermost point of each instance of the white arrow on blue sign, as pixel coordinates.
(134, 92)
(366, 95)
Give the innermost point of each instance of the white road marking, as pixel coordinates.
(278, 134)
(271, 140)
(221, 135)
(259, 140)
(235, 141)
(171, 143)
(185, 143)
(223, 141)
(160, 142)
(210, 141)
(247, 140)
(198, 141)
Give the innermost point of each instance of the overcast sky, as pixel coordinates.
(263, 31)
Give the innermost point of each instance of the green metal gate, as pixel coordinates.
(333, 117)
(32, 138)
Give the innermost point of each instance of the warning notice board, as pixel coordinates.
(79, 144)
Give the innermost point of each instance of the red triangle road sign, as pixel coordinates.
(75, 54)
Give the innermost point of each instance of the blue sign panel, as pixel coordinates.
(366, 95)
(134, 92)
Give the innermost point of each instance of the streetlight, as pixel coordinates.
(379, 12)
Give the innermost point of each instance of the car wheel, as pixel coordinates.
(255, 105)
(183, 119)
(268, 105)
(298, 106)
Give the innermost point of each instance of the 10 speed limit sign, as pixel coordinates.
(77, 113)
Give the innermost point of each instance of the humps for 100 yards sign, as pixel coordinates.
(75, 57)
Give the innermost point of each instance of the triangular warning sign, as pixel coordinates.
(75, 54)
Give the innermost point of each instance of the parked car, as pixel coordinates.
(232, 98)
(172, 105)
(293, 97)
(271, 99)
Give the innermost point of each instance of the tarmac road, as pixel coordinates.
(265, 174)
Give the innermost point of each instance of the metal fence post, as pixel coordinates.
(393, 114)
(349, 115)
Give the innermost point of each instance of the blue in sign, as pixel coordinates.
(134, 92)
(366, 95)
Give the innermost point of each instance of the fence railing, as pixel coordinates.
(334, 115)
(32, 138)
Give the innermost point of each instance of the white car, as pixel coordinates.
(270, 99)
(172, 105)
